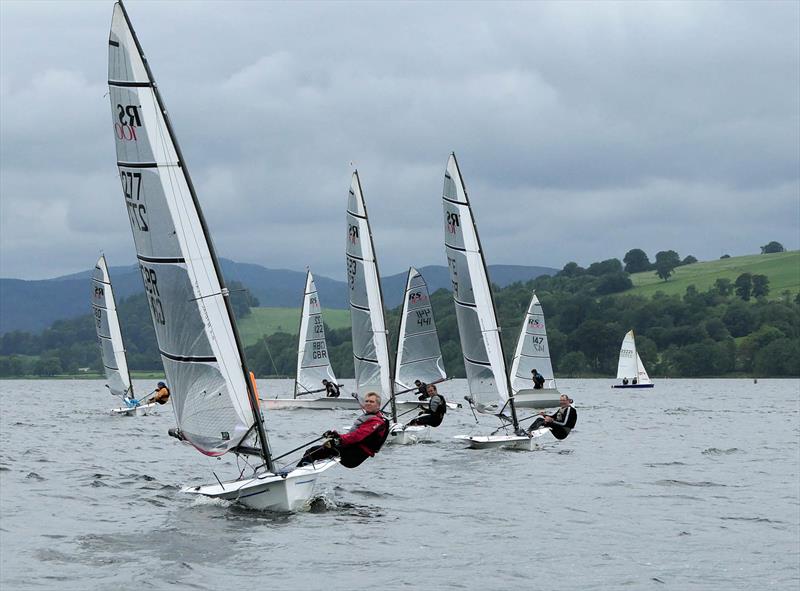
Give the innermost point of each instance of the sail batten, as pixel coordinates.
(478, 330)
(370, 342)
(212, 399)
(313, 362)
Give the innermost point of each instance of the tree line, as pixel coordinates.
(729, 329)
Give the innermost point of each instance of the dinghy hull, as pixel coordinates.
(269, 492)
(633, 385)
(134, 411)
(517, 442)
(310, 403)
(400, 434)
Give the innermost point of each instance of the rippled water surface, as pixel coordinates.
(693, 485)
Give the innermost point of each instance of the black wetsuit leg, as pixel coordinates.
(316, 453)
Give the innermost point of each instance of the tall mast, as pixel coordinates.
(494, 307)
(254, 403)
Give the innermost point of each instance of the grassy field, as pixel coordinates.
(783, 270)
(271, 320)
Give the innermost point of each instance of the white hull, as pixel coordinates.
(310, 403)
(400, 434)
(134, 411)
(520, 442)
(544, 398)
(404, 405)
(269, 492)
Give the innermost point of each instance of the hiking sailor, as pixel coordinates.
(331, 389)
(434, 413)
(560, 422)
(362, 441)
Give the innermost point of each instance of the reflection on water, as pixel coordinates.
(667, 487)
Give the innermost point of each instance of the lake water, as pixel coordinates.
(692, 485)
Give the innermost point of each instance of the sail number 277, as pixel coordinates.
(137, 211)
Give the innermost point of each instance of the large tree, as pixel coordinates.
(636, 261)
(772, 247)
(760, 286)
(744, 286)
(666, 261)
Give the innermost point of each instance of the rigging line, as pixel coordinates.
(266, 346)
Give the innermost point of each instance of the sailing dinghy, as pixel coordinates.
(484, 362)
(373, 372)
(313, 363)
(532, 352)
(215, 403)
(630, 368)
(112, 350)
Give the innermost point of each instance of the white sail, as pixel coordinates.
(532, 351)
(419, 356)
(641, 371)
(313, 363)
(184, 289)
(475, 313)
(370, 343)
(630, 364)
(109, 334)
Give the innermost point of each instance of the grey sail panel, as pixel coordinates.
(370, 343)
(193, 328)
(109, 334)
(419, 356)
(477, 324)
(313, 362)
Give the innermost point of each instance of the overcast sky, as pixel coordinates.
(582, 129)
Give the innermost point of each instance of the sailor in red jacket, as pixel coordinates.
(362, 441)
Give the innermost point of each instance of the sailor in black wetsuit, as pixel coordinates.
(422, 389)
(560, 422)
(538, 380)
(434, 414)
(331, 389)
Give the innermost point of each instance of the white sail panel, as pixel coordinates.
(627, 366)
(112, 350)
(477, 324)
(370, 343)
(532, 351)
(419, 356)
(313, 363)
(642, 372)
(193, 327)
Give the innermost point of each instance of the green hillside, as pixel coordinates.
(782, 269)
(267, 321)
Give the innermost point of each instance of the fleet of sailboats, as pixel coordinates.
(630, 368)
(112, 349)
(214, 399)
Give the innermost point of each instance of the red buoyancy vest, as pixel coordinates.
(369, 435)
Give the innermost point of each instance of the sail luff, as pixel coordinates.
(155, 163)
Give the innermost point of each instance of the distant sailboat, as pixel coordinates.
(213, 394)
(313, 363)
(373, 371)
(630, 368)
(533, 352)
(484, 362)
(112, 350)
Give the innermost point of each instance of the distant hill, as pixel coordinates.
(32, 306)
(782, 268)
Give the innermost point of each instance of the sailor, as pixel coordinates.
(624, 381)
(560, 422)
(422, 389)
(538, 380)
(331, 389)
(434, 413)
(362, 441)
(635, 381)
(162, 394)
